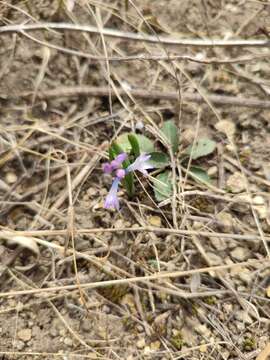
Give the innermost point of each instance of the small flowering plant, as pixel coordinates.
(132, 153)
(141, 164)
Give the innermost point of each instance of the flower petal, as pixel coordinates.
(120, 173)
(121, 157)
(111, 200)
(117, 162)
(107, 168)
(141, 164)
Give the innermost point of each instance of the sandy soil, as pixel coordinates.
(52, 188)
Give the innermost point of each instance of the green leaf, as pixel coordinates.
(202, 147)
(129, 184)
(159, 160)
(123, 142)
(115, 150)
(199, 175)
(170, 132)
(134, 144)
(163, 186)
(112, 153)
(146, 145)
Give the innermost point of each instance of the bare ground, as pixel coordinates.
(60, 291)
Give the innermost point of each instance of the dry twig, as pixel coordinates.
(135, 37)
(150, 95)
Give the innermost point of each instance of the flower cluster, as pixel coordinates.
(115, 166)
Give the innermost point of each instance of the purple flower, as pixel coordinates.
(107, 168)
(120, 173)
(121, 157)
(117, 162)
(141, 164)
(111, 200)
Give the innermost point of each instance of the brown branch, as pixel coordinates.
(180, 232)
(151, 95)
(157, 276)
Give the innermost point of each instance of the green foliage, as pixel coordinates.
(199, 174)
(112, 153)
(133, 145)
(115, 150)
(159, 160)
(145, 145)
(202, 147)
(129, 184)
(136, 144)
(170, 131)
(163, 186)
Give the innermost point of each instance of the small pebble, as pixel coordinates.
(155, 345)
(203, 330)
(25, 334)
(92, 356)
(215, 259)
(244, 317)
(258, 200)
(36, 331)
(11, 178)
(119, 224)
(226, 127)
(218, 243)
(62, 332)
(147, 350)
(53, 332)
(68, 341)
(140, 343)
(86, 325)
(212, 171)
(240, 253)
(19, 344)
(91, 192)
(188, 135)
(245, 276)
(203, 348)
(139, 125)
(106, 309)
(228, 308)
(154, 221)
(197, 225)
(236, 183)
(226, 220)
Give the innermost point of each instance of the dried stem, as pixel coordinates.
(135, 37)
(152, 95)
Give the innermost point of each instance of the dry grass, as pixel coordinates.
(154, 281)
